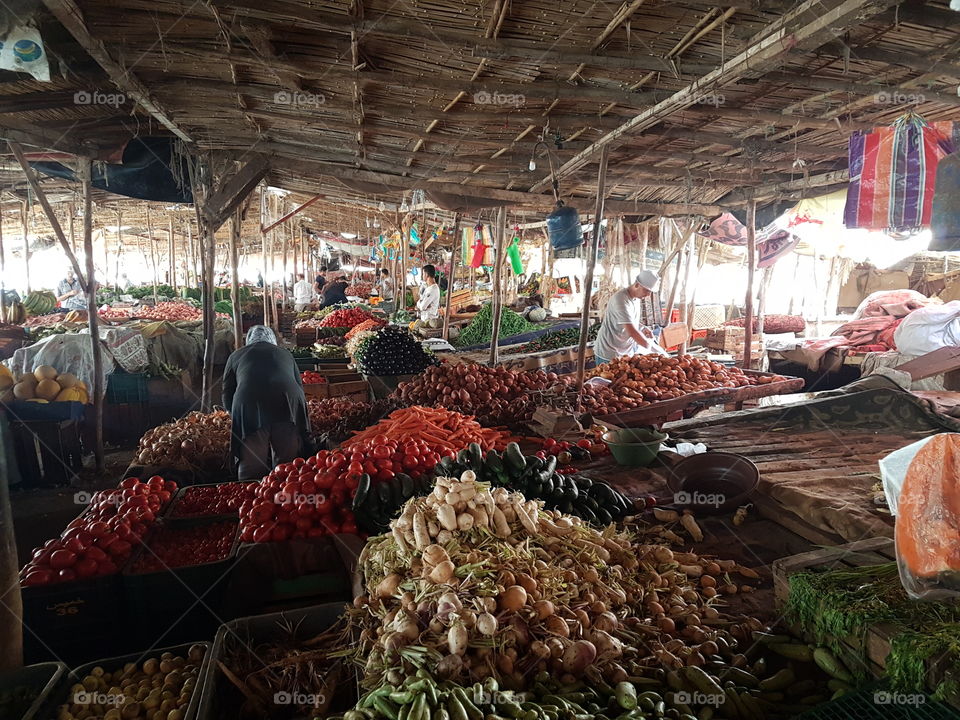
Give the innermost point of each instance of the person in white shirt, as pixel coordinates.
(303, 293)
(428, 305)
(621, 332)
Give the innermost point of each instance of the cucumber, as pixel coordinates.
(604, 518)
(363, 490)
(406, 486)
(793, 651)
(383, 496)
(778, 681)
(826, 661)
(513, 459)
(571, 492)
(463, 457)
(475, 453)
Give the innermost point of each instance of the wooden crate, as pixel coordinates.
(873, 648)
(728, 339)
(352, 389)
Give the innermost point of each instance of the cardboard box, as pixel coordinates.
(674, 334)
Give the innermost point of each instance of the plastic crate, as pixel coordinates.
(880, 704)
(66, 620)
(220, 698)
(45, 678)
(171, 519)
(382, 386)
(126, 388)
(181, 602)
(111, 664)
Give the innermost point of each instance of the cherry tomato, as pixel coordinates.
(66, 575)
(62, 559)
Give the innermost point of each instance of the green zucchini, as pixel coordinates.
(363, 490)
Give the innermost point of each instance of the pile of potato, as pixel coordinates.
(43, 385)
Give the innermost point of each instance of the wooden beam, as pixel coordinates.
(293, 212)
(592, 253)
(621, 16)
(51, 215)
(71, 17)
(874, 54)
(454, 256)
(886, 95)
(13, 130)
(496, 291)
(221, 203)
(810, 23)
(751, 269)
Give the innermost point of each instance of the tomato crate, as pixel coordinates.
(66, 620)
(181, 602)
(171, 517)
(126, 388)
(221, 699)
(382, 386)
(295, 573)
(336, 387)
(44, 679)
(112, 664)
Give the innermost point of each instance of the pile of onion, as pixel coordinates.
(197, 441)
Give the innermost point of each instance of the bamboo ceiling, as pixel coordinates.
(449, 94)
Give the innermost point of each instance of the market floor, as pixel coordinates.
(42, 513)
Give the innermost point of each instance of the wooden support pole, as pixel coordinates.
(11, 609)
(453, 271)
(685, 295)
(592, 251)
(26, 242)
(672, 296)
(191, 267)
(645, 243)
(153, 253)
(496, 290)
(116, 267)
(263, 250)
(3, 269)
(235, 223)
(98, 390)
(751, 269)
(405, 224)
(283, 277)
(172, 253)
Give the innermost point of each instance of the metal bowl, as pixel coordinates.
(713, 482)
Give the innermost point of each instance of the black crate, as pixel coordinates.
(220, 697)
(72, 621)
(45, 678)
(171, 605)
(171, 519)
(111, 664)
(294, 574)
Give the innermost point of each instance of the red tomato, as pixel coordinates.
(356, 468)
(129, 482)
(85, 567)
(382, 474)
(410, 462)
(381, 451)
(95, 554)
(98, 529)
(349, 527)
(66, 575)
(298, 462)
(318, 531)
(62, 559)
(308, 487)
(262, 533)
(75, 545)
(38, 576)
(41, 556)
(246, 535)
(281, 532)
(120, 547)
(303, 523)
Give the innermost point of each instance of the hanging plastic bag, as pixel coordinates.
(513, 252)
(927, 505)
(479, 248)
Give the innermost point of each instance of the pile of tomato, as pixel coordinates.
(346, 317)
(173, 547)
(382, 457)
(208, 500)
(101, 540)
(309, 377)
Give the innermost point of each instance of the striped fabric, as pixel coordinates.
(892, 173)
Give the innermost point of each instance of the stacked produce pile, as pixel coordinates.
(480, 329)
(309, 377)
(537, 478)
(197, 441)
(169, 311)
(496, 396)
(555, 340)
(101, 540)
(443, 431)
(346, 317)
(330, 348)
(392, 351)
(43, 385)
(39, 302)
(773, 324)
(209, 501)
(642, 379)
(359, 289)
(306, 498)
(371, 324)
(339, 417)
(115, 314)
(173, 547)
(49, 319)
(482, 602)
(159, 687)
(301, 352)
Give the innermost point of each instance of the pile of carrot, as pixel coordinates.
(439, 428)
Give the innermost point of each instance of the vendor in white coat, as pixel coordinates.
(622, 332)
(303, 293)
(428, 306)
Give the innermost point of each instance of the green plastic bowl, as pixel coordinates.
(636, 447)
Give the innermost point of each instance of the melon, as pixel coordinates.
(42, 401)
(81, 385)
(67, 380)
(48, 389)
(28, 378)
(45, 372)
(69, 395)
(5, 372)
(23, 390)
(7, 397)
(84, 396)
(6, 382)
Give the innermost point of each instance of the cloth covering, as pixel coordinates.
(262, 388)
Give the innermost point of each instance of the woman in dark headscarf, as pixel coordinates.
(263, 391)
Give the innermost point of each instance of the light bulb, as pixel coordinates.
(532, 166)
(382, 206)
(404, 207)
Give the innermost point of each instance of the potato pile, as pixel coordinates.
(641, 379)
(43, 385)
(159, 689)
